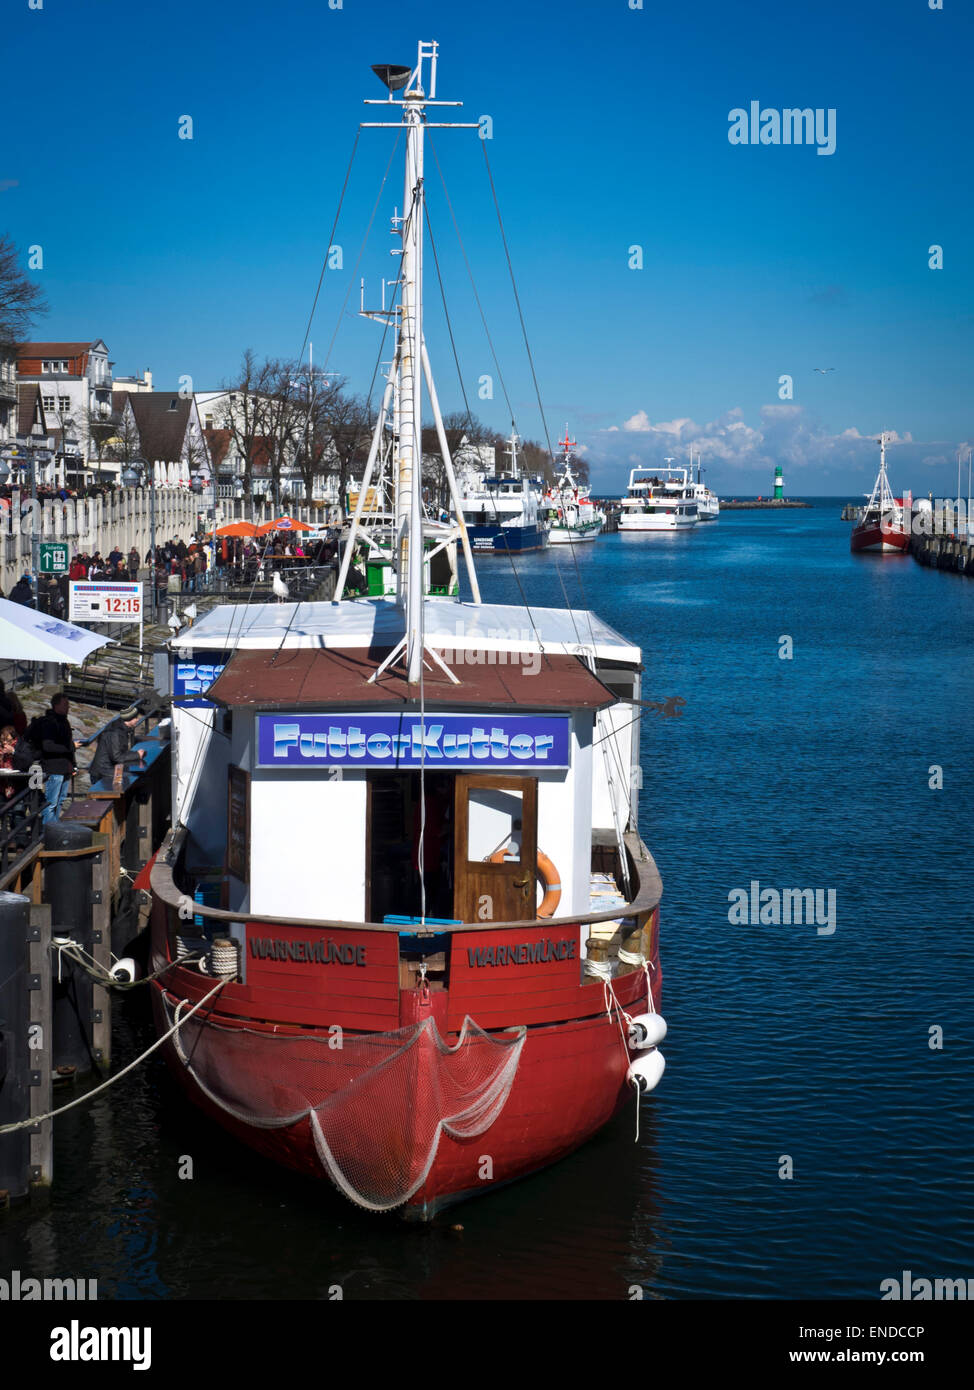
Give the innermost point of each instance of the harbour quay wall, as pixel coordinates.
(943, 553)
(771, 504)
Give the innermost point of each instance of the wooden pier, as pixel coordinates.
(72, 879)
(69, 907)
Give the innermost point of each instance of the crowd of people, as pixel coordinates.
(180, 566)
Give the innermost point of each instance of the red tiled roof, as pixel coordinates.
(316, 677)
(52, 349)
(219, 441)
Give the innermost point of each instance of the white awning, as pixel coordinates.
(26, 635)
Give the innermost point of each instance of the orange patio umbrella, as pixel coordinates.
(237, 528)
(283, 523)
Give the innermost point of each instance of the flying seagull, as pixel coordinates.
(823, 370)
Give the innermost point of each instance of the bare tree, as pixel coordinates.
(21, 301)
(100, 428)
(124, 445)
(314, 452)
(345, 425)
(244, 411)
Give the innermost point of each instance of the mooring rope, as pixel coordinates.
(74, 951)
(90, 1095)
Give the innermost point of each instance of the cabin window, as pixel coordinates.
(494, 823)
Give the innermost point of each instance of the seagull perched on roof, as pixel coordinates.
(279, 587)
(174, 622)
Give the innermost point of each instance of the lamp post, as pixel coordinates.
(32, 446)
(136, 474)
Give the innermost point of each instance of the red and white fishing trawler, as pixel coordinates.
(884, 523)
(572, 515)
(407, 930)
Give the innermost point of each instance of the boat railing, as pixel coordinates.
(641, 867)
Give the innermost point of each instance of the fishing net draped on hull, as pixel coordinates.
(377, 1103)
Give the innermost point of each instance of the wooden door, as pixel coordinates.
(495, 815)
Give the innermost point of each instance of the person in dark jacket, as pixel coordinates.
(22, 592)
(115, 746)
(56, 743)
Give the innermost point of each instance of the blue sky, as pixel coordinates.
(610, 130)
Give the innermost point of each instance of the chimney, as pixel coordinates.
(148, 379)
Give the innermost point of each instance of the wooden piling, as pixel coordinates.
(15, 1061)
(40, 1036)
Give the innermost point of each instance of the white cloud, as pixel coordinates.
(740, 456)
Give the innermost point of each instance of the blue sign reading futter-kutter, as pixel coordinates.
(447, 741)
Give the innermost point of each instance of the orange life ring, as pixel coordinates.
(549, 877)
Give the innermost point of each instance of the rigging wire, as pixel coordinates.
(493, 501)
(473, 284)
(324, 264)
(358, 259)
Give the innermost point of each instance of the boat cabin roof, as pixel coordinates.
(321, 678)
(378, 624)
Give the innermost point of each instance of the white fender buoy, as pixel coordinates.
(647, 1030)
(125, 970)
(646, 1071)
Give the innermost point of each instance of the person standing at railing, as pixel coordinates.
(54, 738)
(115, 746)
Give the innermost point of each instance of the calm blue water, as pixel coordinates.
(803, 773)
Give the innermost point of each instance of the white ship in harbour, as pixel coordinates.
(659, 499)
(571, 512)
(503, 513)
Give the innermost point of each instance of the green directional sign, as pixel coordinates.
(54, 557)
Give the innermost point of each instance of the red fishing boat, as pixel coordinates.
(405, 928)
(884, 523)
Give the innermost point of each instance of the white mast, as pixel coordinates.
(881, 496)
(404, 389)
(512, 453)
(409, 511)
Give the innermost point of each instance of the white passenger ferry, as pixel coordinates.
(659, 499)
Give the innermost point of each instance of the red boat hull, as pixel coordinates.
(569, 1075)
(880, 537)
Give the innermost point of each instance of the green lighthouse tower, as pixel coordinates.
(779, 484)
